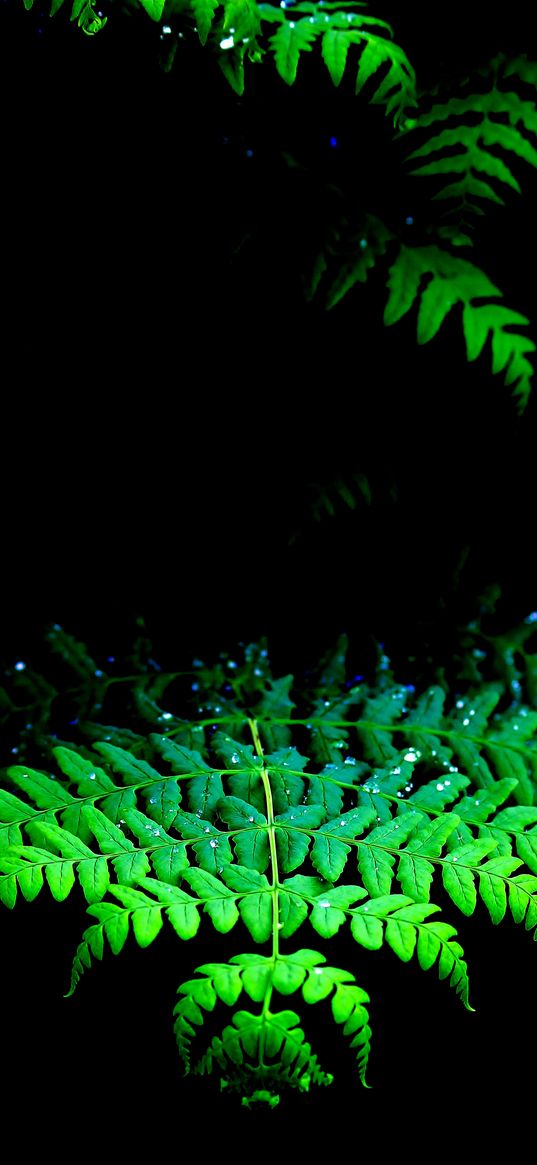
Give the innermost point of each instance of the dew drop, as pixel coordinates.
(325, 903)
(213, 844)
(439, 787)
(20, 666)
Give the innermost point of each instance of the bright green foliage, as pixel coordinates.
(268, 1050)
(388, 806)
(234, 30)
(339, 28)
(452, 281)
(83, 11)
(480, 124)
(471, 145)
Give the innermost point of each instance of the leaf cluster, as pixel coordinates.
(339, 804)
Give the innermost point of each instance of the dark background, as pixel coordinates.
(169, 406)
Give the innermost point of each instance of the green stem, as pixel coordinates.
(275, 878)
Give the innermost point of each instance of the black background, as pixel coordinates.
(169, 402)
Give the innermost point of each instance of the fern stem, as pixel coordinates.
(275, 881)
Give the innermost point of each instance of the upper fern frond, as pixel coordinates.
(486, 135)
(235, 31)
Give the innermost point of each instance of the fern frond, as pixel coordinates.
(340, 29)
(452, 280)
(397, 90)
(353, 804)
(267, 1049)
(204, 11)
(481, 124)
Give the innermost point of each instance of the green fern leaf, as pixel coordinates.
(250, 844)
(326, 916)
(475, 143)
(335, 48)
(453, 281)
(292, 845)
(521, 899)
(232, 66)
(146, 919)
(401, 931)
(204, 11)
(288, 42)
(397, 90)
(219, 901)
(375, 857)
(155, 8)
